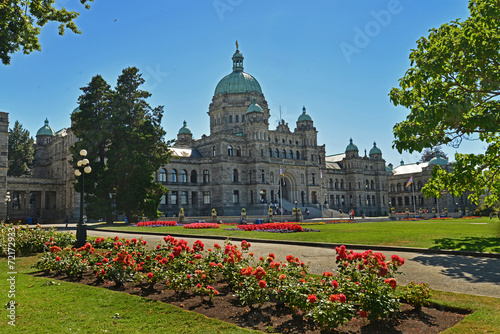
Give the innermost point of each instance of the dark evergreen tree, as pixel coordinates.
(430, 153)
(21, 151)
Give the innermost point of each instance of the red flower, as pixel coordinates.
(312, 299)
(282, 277)
(150, 275)
(383, 271)
(58, 258)
(392, 282)
(363, 314)
(342, 298)
(262, 284)
(335, 284)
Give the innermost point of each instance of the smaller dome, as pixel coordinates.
(351, 146)
(304, 116)
(46, 130)
(437, 160)
(375, 149)
(184, 129)
(388, 169)
(254, 107)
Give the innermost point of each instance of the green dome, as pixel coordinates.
(184, 129)
(254, 107)
(351, 146)
(46, 130)
(304, 116)
(437, 160)
(375, 149)
(238, 81)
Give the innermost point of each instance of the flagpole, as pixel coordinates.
(414, 200)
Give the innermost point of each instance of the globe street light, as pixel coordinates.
(7, 200)
(83, 168)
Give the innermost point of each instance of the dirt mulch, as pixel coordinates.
(274, 318)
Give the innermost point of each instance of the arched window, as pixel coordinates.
(173, 175)
(283, 154)
(270, 152)
(261, 152)
(341, 184)
(373, 200)
(276, 153)
(163, 175)
(392, 188)
(290, 154)
(330, 183)
(214, 151)
(367, 184)
(235, 175)
(372, 185)
(206, 176)
(398, 187)
(297, 155)
(319, 158)
(336, 184)
(242, 118)
(194, 176)
(238, 151)
(183, 176)
(230, 118)
(229, 150)
(236, 119)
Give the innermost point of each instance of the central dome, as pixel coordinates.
(238, 81)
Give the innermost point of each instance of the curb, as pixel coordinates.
(320, 244)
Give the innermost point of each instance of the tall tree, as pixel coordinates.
(430, 153)
(21, 151)
(21, 22)
(452, 91)
(125, 144)
(91, 124)
(137, 148)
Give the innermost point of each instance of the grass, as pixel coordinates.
(479, 235)
(47, 306)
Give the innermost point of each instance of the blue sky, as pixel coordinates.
(338, 58)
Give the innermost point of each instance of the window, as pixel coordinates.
(297, 155)
(238, 151)
(350, 199)
(229, 150)
(313, 178)
(341, 184)
(183, 176)
(242, 118)
(163, 199)
(214, 151)
(235, 175)
(173, 198)
(261, 152)
(336, 184)
(398, 186)
(337, 200)
(367, 199)
(184, 197)
(263, 196)
(173, 175)
(312, 157)
(343, 200)
(372, 185)
(283, 154)
(367, 184)
(407, 200)
(392, 188)
(275, 139)
(236, 119)
(270, 152)
(194, 176)
(314, 197)
(163, 175)
(330, 183)
(319, 159)
(230, 118)
(206, 176)
(290, 154)
(283, 141)
(194, 198)
(206, 197)
(276, 153)
(236, 196)
(373, 200)
(262, 176)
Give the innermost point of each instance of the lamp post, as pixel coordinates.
(83, 168)
(7, 200)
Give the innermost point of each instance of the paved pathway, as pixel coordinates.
(453, 273)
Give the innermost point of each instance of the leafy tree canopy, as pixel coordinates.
(430, 153)
(452, 92)
(21, 22)
(21, 151)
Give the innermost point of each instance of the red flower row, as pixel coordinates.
(272, 226)
(157, 223)
(202, 225)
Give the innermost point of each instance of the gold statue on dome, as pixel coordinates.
(236, 45)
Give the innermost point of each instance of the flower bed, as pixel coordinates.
(364, 286)
(337, 221)
(202, 225)
(291, 227)
(157, 223)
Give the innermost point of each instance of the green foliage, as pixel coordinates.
(452, 92)
(417, 295)
(21, 23)
(125, 144)
(484, 210)
(21, 151)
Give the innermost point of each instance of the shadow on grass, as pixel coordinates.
(472, 244)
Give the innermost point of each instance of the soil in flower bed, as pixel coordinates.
(275, 318)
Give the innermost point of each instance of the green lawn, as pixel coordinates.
(47, 306)
(480, 235)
